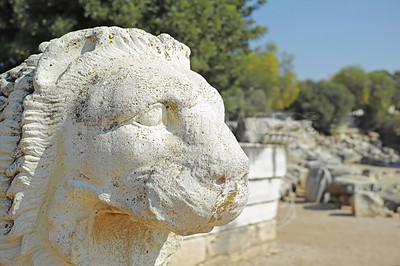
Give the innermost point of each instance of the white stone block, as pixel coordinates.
(265, 160)
(280, 162)
(192, 252)
(366, 204)
(261, 160)
(264, 190)
(253, 214)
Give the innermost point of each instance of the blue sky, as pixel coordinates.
(326, 35)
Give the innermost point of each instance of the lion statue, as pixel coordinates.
(111, 147)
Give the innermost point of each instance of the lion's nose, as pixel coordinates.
(212, 138)
(229, 159)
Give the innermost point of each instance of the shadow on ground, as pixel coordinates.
(341, 214)
(321, 207)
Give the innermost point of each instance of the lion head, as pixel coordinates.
(115, 133)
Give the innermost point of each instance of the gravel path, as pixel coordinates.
(325, 235)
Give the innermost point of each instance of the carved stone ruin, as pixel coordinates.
(110, 147)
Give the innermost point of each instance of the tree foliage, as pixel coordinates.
(381, 89)
(350, 89)
(396, 94)
(389, 128)
(264, 83)
(327, 102)
(357, 82)
(218, 33)
(215, 30)
(390, 132)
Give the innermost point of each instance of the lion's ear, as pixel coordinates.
(58, 54)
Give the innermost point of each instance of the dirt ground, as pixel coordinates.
(316, 234)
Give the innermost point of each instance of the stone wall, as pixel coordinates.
(253, 233)
(233, 246)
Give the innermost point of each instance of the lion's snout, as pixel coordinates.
(229, 170)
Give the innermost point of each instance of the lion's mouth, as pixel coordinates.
(231, 201)
(182, 201)
(231, 194)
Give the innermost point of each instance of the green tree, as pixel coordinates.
(287, 81)
(265, 83)
(328, 102)
(396, 94)
(357, 82)
(389, 126)
(390, 132)
(216, 30)
(381, 89)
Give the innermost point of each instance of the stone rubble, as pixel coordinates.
(351, 148)
(366, 204)
(345, 186)
(336, 175)
(391, 197)
(318, 180)
(330, 168)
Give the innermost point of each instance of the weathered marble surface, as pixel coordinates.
(253, 232)
(116, 145)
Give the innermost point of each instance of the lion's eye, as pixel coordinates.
(152, 117)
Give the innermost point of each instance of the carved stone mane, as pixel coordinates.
(66, 182)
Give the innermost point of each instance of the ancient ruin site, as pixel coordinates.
(199, 133)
